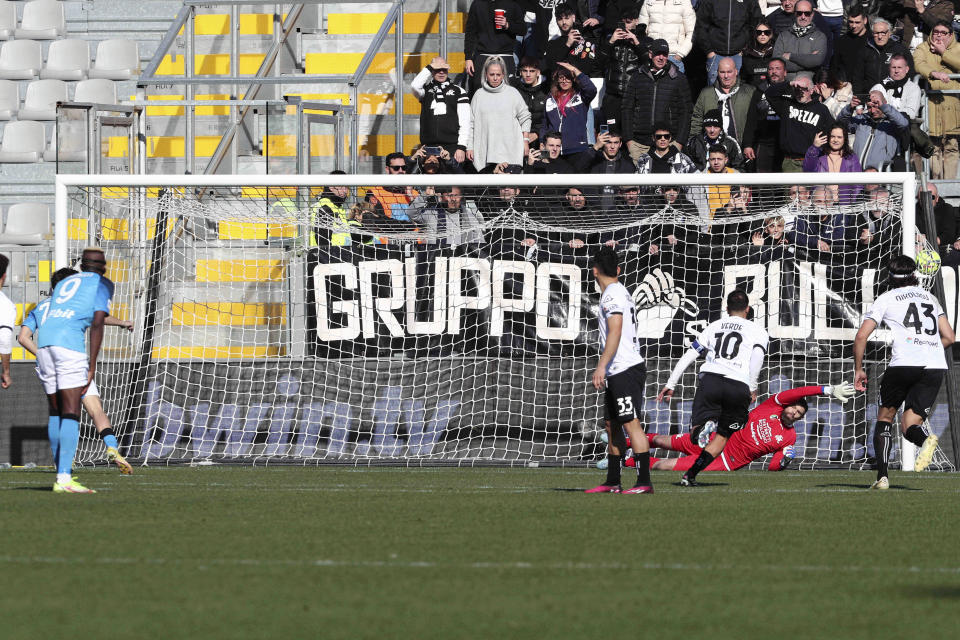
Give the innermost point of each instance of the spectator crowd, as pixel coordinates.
(681, 86)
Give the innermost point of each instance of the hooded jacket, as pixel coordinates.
(536, 98)
(672, 20)
(572, 121)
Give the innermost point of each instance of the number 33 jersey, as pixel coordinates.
(913, 315)
(730, 343)
(616, 300)
(72, 305)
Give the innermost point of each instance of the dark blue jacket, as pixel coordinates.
(573, 124)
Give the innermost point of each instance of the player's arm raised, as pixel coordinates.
(614, 331)
(859, 348)
(685, 361)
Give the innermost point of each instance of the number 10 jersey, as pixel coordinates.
(730, 343)
(913, 315)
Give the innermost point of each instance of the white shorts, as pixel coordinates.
(60, 368)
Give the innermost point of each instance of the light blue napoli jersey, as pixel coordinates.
(35, 318)
(71, 310)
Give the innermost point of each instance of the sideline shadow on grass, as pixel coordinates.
(39, 487)
(850, 485)
(926, 591)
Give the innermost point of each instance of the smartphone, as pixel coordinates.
(864, 98)
(432, 151)
(604, 128)
(622, 25)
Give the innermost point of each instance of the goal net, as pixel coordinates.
(452, 319)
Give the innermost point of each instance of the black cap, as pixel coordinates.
(712, 118)
(659, 46)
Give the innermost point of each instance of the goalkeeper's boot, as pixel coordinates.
(71, 487)
(604, 488)
(882, 484)
(703, 439)
(686, 481)
(925, 457)
(114, 457)
(646, 488)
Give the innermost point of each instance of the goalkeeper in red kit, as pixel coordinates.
(769, 430)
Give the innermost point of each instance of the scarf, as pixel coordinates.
(752, 50)
(894, 87)
(562, 99)
(726, 110)
(801, 31)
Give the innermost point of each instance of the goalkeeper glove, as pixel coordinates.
(842, 392)
(788, 456)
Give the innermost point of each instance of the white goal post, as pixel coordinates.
(406, 325)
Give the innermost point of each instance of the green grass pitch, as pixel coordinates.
(324, 552)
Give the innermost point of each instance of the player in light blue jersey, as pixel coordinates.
(91, 399)
(77, 303)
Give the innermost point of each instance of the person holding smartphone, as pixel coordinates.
(444, 110)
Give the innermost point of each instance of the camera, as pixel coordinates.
(432, 151)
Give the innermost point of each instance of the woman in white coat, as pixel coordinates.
(673, 21)
(500, 120)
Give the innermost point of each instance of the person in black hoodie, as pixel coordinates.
(657, 92)
(723, 29)
(606, 156)
(485, 35)
(548, 159)
(801, 117)
(622, 54)
(758, 54)
(534, 89)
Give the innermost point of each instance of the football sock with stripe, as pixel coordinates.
(916, 435)
(701, 463)
(69, 437)
(109, 438)
(642, 461)
(613, 469)
(882, 441)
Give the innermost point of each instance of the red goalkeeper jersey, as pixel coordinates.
(764, 432)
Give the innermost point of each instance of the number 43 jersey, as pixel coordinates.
(616, 300)
(72, 305)
(913, 315)
(730, 343)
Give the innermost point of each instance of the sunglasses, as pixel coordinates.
(662, 136)
(394, 167)
(804, 13)
(764, 32)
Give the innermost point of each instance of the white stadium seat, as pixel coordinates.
(20, 60)
(116, 60)
(22, 142)
(98, 91)
(8, 20)
(27, 222)
(40, 101)
(67, 59)
(42, 20)
(9, 99)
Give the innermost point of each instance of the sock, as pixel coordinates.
(882, 440)
(53, 432)
(701, 463)
(69, 438)
(916, 435)
(64, 478)
(642, 461)
(613, 469)
(650, 437)
(109, 439)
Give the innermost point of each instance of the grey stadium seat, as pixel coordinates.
(22, 142)
(116, 60)
(67, 59)
(40, 101)
(27, 223)
(97, 90)
(9, 99)
(8, 20)
(42, 20)
(20, 60)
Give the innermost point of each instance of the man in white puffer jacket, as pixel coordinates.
(673, 21)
